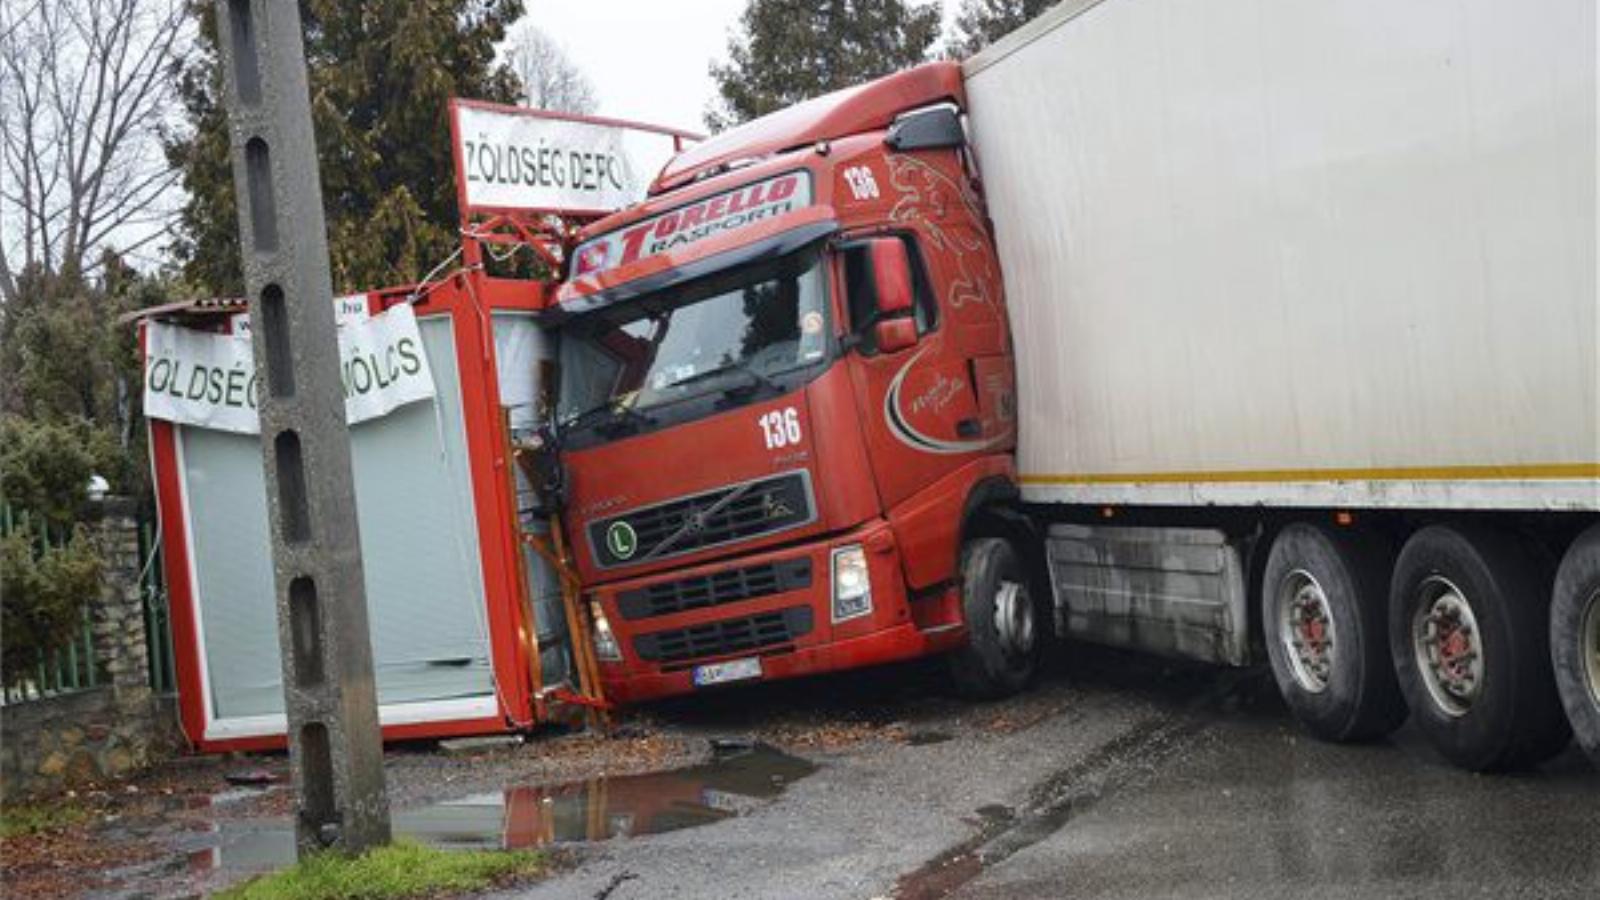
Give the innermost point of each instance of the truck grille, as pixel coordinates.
(728, 636)
(687, 524)
(715, 589)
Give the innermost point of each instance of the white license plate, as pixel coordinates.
(723, 672)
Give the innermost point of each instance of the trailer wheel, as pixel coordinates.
(1469, 633)
(1325, 612)
(1003, 624)
(1575, 638)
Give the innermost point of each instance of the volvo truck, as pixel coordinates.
(1240, 331)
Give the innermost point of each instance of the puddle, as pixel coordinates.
(923, 738)
(735, 782)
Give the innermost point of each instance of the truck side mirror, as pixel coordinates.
(894, 335)
(927, 129)
(891, 276)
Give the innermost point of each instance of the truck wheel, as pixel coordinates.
(1469, 632)
(1575, 638)
(1003, 623)
(1325, 613)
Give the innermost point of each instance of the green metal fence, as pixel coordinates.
(74, 666)
(157, 617)
(60, 669)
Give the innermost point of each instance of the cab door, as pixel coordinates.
(929, 403)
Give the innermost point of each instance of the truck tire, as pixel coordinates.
(1004, 629)
(1324, 614)
(1575, 639)
(1469, 633)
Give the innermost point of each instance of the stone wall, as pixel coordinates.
(78, 738)
(108, 731)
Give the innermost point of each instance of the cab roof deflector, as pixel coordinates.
(866, 107)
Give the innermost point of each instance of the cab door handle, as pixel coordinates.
(968, 428)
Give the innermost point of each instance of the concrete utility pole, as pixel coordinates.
(335, 748)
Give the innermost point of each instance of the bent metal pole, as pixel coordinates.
(335, 747)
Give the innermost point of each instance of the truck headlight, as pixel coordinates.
(605, 643)
(852, 585)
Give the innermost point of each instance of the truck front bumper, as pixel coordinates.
(774, 607)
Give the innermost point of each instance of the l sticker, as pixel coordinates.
(621, 540)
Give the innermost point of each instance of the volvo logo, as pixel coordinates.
(774, 507)
(621, 540)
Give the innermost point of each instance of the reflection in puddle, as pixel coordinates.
(518, 817)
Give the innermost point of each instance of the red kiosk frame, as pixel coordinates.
(469, 296)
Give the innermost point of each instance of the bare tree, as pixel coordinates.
(85, 88)
(550, 79)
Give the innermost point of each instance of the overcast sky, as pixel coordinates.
(649, 60)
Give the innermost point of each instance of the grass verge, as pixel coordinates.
(24, 819)
(401, 870)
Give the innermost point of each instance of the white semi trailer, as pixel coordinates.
(1303, 296)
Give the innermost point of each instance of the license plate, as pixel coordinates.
(723, 672)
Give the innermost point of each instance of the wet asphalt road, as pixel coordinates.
(1131, 778)
(1250, 809)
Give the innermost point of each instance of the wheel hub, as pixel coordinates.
(1448, 646)
(1013, 619)
(1305, 629)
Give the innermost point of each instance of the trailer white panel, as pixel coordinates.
(1300, 252)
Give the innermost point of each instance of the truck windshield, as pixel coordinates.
(757, 328)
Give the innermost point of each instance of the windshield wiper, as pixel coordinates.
(619, 413)
(757, 379)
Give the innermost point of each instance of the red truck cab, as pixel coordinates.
(785, 386)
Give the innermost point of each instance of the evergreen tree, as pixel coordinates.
(72, 366)
(982, 22)
(381, 72)
(786, 51)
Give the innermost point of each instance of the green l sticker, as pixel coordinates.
(621, 540)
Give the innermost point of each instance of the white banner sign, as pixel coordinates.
(199, 378)
(346, 309)
(383, 364)
(209, 380)
(517, 160)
